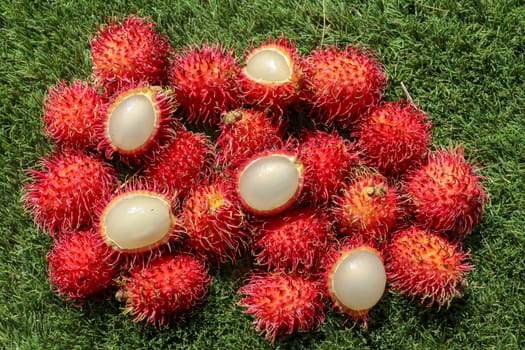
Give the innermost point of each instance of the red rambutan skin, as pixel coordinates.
(183, 164)
(368, 206)
(295, 241)
(204, 80)
(446, 194)
(215, 226)
(245, 132)
(71, 110)
(393, 137)
(81, 265)
(169, 288)
(328, 159)
(423, 265)
(127, 51)
(341, 84)
(63, 193)
(274, 96)
(283, 304)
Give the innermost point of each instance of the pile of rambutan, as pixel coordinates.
(334, 194)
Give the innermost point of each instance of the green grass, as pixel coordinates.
(464, 63)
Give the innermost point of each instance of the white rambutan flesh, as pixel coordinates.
(269, 66)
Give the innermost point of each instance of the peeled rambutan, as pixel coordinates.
(423, 265)
(283, 304)
(341, 84)
(71, 110)
(63, 193)
(215, 226)
(204, 80)
(166, 289)
(129, 51)
(294, 241)
(446, 194)
(328, 159)
(393, 137)
(368, 206)
(272, 77)
(245, 132)
(81, 265)
(136, 122)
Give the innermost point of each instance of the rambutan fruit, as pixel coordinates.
(355, 279)
(294, 241)
(204, 80)
(215, 226)
(272, 77)
(446, 194)
(136, 122)
(270, 182)
(424, 265)
(283, 304)
(341, 84)
(368, 206)
(245, 132)
(393, 137)
(71, 110)
(129, 51)
(328, 159)
(63, 193)
(81, 265)
(167, 289)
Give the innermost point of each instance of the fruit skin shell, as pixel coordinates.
(63, 193)
(81, 265)
(424, 265)
(341, 84)
(71, 111)
(283, 304)
(204, 80)
(129, 51)
(446, 194)
(166, 289)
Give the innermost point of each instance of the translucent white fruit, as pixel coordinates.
(137, 221)
(270, 184)
(269, 65)
(359, 279)
(132, 123)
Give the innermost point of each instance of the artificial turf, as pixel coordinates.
(463, 63)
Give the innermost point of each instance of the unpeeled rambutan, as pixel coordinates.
(446, 193)
(166, 289)
(283, 304)
(129, 51)
(423, 265)
(393, 137)
(204, 80)
(63, 193)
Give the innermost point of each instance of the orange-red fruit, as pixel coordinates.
(393, 137)
(169, 288)
(340, 84)
(214, 224)
(80, 264)
(63, 193)
(368, 206)
(71, 110)
(204, 80)
(283, 304)
(423, 265)
(328, 159)
(294, 241)
(271, 77)
(446, 193)
(245, 132)
(127, 51)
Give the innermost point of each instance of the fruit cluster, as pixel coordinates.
(330, 191)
